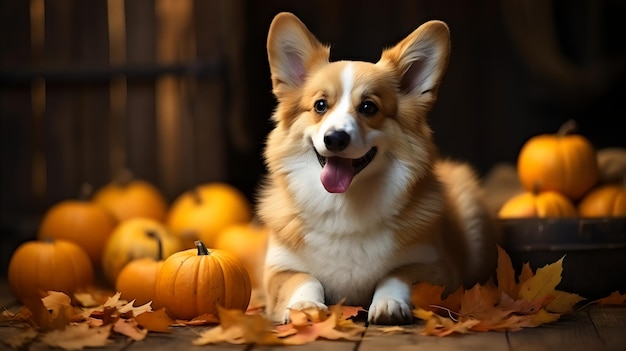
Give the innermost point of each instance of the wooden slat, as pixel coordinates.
(59, 126)
(181, 339)
(17, 195)
(610, 323)
(572, 332)
(93, 114)
(173, 128)
(141, 123)
(209, 97)
(375, 340)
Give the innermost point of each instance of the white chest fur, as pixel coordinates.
(349, 266)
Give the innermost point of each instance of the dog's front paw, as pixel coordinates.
(390, 311)
(303, 305)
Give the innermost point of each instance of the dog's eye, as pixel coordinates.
(320, 106)
(368, 108)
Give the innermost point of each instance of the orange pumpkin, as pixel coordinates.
(533, 204)
(132, 239)
(58, 265)
(81, 221)
(137, 279)
(607, 200)
(204, 211)
(195, 281)
(248, 242)
(563, 162)
(127, 198)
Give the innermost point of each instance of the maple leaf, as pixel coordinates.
(442, 326)
(429, 297)
(333, 327)
(238, 327)
(53, 319)
(544, 282)
(505, 274)
(511, 305)
(77, 336)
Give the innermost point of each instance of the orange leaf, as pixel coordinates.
(525, 274)
(429, 298)
(615, 298)
(351, 311)
(506, 274)
(157, 321)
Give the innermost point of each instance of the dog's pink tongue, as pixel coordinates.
(337, 174)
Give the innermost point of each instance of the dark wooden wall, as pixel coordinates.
(180, 93)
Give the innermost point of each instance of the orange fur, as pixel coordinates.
(379, 210)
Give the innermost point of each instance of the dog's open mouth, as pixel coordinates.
(337, 172)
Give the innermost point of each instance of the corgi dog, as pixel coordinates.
(358, 203)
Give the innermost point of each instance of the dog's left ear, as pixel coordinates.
(421, 58)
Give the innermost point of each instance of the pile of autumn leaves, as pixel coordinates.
(528, 300)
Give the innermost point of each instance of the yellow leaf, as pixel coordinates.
(563, 302)
(543, 283)
(542, 317)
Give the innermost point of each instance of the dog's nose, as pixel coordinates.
(336, 140)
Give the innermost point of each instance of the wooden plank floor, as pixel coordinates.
(593, 328)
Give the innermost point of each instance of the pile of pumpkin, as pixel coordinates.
(563, 175)
(203, 249)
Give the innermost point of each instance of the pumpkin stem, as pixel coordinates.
(202, 250)
(536, 188)
(124, 177)
(567, 128)
(152, 234)
(85, 191)
(195, 193)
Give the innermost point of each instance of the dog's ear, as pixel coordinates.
(292, 52)
(421, 58)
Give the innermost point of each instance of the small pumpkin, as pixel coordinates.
(127, 197)
(565, 162)
(546, 204)
(81, 221)
(137, 279)
(204, 211)
(195, 281)
(50, 264)
(130, 241)
(608, 200)
(248, 242)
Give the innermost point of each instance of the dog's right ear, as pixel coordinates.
(292, 52)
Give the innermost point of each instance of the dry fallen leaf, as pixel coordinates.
(510, 305)
(130, 328)
(157, 321)
(615, 298)
(21, 338)
(237, 327)
(77, 336)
